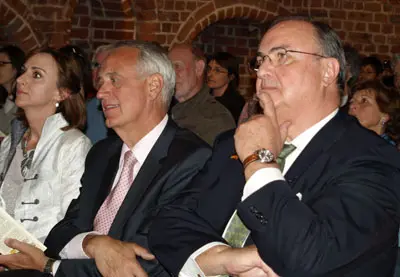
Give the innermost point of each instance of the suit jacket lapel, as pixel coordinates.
(107, 179)
(321, 142)
(144, 180)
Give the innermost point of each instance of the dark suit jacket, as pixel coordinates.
(176, 157)
(345, 225)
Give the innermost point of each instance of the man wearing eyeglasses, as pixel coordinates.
(319, 195)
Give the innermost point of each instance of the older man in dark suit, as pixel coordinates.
(321, 196)
(127, 178)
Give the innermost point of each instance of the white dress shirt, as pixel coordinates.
(259, 179)
(74, 249)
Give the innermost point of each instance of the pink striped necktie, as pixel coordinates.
(108, 210)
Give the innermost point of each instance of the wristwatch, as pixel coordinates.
(262, 155)
(48, 268)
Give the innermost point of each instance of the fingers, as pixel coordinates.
(268, 105)
(142, 252)
(19, 245)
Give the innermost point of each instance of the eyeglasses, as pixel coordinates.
(2, 63)
(216, 69)
(277, 57)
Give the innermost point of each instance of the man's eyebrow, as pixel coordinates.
(282, 46)
(112, 74)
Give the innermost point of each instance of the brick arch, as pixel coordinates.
(218, 10)
(20, 25)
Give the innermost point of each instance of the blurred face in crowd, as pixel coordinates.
(98, 60)
(188, 72)
(7, 72)
(397, 75)
(122, 91)
(217, 76)
(37, 86)
(364, 107)
(293, 81)
(367, 73)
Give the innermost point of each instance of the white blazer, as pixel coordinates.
(54, 178)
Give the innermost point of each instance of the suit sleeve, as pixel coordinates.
(195, 218)
(351, 216)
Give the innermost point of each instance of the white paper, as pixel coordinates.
(10, 228)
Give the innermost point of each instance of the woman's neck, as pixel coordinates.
(379, 129)
(217, 92)
(36, 122)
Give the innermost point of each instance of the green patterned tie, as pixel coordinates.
(236, 232)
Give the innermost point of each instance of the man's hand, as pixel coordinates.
(115, 258)
(29, 257)
(246, 262)
(261, 131)
(242, 262)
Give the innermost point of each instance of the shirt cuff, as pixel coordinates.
(259, 179)
(73, 249)
(191, 268)
(56, 265)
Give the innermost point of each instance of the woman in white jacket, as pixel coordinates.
(42, 160)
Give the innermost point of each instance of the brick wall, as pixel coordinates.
(238, 37)
(372, 26)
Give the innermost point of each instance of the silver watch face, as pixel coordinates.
(265, 155)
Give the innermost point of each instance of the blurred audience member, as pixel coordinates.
(42, 160)
(396, 70)
(223, 80)
(252, 105)
(353, 65)
(196, 109)
(387, 77)
(376, 108)
(95, 126)
(3, 99)
(12, 60)
(371, 69)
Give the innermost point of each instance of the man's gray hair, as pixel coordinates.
(153, 59)
(100, 49)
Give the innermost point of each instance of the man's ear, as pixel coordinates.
(331, 71)
(200, 66)
(155, 84)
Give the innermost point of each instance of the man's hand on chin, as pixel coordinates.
(115, 258)
(28, 257)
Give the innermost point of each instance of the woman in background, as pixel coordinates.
(377, 108)
(223, 80)
(12, 60)
(42, 160)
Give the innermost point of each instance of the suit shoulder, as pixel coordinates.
(188, 140)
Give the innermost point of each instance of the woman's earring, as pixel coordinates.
(383, 122)
(57, 104)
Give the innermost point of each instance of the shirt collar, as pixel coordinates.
(142, 148)
(304, 138)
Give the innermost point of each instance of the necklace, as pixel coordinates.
(24, 142)
(27, 155)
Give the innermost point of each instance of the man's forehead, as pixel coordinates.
(286, 34)
(117, 62)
